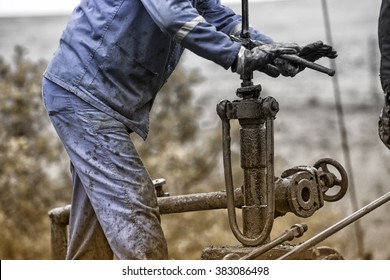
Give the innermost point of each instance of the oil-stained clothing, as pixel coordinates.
(384, 44)
(114, 207)
(384, 71)
(113, 58)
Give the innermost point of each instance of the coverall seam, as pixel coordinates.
(98, 142)
(92, 54)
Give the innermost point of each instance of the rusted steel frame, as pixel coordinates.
(257, 164)
(337, 227)
(245, 36)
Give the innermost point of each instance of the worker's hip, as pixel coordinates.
(99, 146)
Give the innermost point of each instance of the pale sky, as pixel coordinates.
(47, 7)
(36, 7)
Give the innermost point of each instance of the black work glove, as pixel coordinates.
(286, 68)
(280, 66)
(260, 58)
(315, 51)
(384, 122)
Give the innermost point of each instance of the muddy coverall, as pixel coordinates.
(112, 59)
(384, 44)
(384, 47)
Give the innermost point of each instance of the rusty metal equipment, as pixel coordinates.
(262, 198)
(337, 227)
(301, 190)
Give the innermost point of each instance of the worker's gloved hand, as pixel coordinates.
(261, 57)
(315, 51)
(384, 122)
(286, 68)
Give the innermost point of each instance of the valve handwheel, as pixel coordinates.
(330, 180)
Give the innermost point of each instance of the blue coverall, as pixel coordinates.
(113, 58)
(384, 44)
(384, 71)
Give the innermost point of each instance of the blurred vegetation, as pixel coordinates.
(34, 175)
(27, 151)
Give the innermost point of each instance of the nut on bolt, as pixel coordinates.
(158, 185)
(270, 106)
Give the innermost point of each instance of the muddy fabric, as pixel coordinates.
(384, 122)
(384, 47)
(384, 44)
(114, 204)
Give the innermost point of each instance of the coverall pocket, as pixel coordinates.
(128, 70)
(129, 84)
(56, 99)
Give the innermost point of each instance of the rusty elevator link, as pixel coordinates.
(256, 137)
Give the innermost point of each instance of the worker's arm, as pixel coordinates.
(203, 29)
(384, 69)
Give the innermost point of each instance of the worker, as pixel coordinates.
(112, 59)
(384, 69)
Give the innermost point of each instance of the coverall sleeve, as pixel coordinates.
(202, 29)
(384, 44)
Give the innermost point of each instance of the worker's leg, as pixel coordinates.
(112, 174)
(87, 240)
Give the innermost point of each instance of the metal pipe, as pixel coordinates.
(337, 227)
(258, 209)
(295, 231)
(301, 61)
(254, 166)
(245, 36)
(200, 202)
(245, 19)
(197, 202)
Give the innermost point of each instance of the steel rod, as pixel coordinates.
(295, 231)
(314, 66)
(245, 19)
(337, 227)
